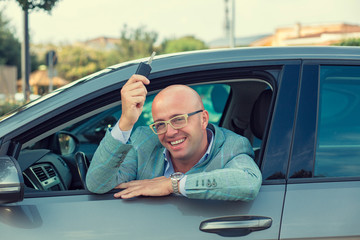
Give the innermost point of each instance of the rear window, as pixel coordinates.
(338, 135)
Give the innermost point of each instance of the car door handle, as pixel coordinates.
(235, 225)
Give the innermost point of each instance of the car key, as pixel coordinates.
(145, 68)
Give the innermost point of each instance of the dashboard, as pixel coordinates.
(44, 170)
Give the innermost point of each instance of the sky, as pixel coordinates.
(80, 20)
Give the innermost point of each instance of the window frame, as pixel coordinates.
(306, 124)
(106, 97)
(279, 130)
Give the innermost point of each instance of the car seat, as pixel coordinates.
(259, 116)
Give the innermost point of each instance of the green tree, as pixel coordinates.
(75, 62)
(29, 5)
(46, 5)
(136, 43)
(187, 43)
(350, 42)
(9, 45)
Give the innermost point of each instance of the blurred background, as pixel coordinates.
(45, 44)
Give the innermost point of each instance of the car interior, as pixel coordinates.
(58, 161)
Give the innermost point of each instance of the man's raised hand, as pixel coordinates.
(133, 95)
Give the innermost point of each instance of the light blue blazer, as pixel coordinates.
(228, 173)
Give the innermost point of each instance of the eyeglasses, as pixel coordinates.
(176, 122)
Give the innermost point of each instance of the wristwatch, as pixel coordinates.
(175, 178)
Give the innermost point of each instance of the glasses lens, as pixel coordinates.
(178, 122)
(159, 127)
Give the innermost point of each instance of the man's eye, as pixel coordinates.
(159, 125)
(178, 120)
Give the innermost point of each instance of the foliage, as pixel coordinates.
(7, 107)
(350, 42)
(188, 43)
(81, 59)
(135, 43)
(46, 5)
(78, 61)
(34, 62)
(9, 45)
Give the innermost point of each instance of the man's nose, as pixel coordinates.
(171, 131)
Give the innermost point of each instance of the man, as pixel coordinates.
(180, 153)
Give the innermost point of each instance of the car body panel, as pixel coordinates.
(104, 217)
(321, 210)
(318, 207)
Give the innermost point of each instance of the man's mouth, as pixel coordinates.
(173, 143)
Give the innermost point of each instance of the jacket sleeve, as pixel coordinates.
(239, 179)
(110, 166)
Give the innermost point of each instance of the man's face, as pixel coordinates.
(188, 142)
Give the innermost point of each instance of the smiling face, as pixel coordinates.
(188, 144)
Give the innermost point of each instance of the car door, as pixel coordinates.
(78, 214)
(323, 191)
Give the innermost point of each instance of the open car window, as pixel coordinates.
(91, 130)
(230, 105)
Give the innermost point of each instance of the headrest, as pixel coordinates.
(260, 113)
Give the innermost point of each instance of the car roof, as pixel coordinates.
(254, 53)
(89, 84)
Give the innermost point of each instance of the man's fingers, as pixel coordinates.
(138, 78)
(129, 184)
(128, 192)
(134, 89)
(134, 85)
(137, 92)
(136, 101)
(160, 186)
(127, 195)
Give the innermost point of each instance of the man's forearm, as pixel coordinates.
(223, 185)
(230, 183)
(102, 175)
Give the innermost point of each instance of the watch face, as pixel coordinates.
(177, 175)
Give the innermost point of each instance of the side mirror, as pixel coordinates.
(64, 143)
(11, 181)
(67, 143)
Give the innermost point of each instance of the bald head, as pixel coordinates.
(188, 143)
(179, 98)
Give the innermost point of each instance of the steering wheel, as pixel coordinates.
(82, 164)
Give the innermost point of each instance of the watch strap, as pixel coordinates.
(175, 178)
(175, 185)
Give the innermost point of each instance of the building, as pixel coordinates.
(39, 82)
(243, 41)
(312, 34)
(102, 43)
(8, 76)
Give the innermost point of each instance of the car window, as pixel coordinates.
(214, 97)
(90, 131)
(338, 135)
(46, 168)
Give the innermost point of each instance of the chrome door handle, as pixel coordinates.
(238, 225)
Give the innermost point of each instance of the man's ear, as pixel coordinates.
(204, 119)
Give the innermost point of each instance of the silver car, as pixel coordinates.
(299, 107)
